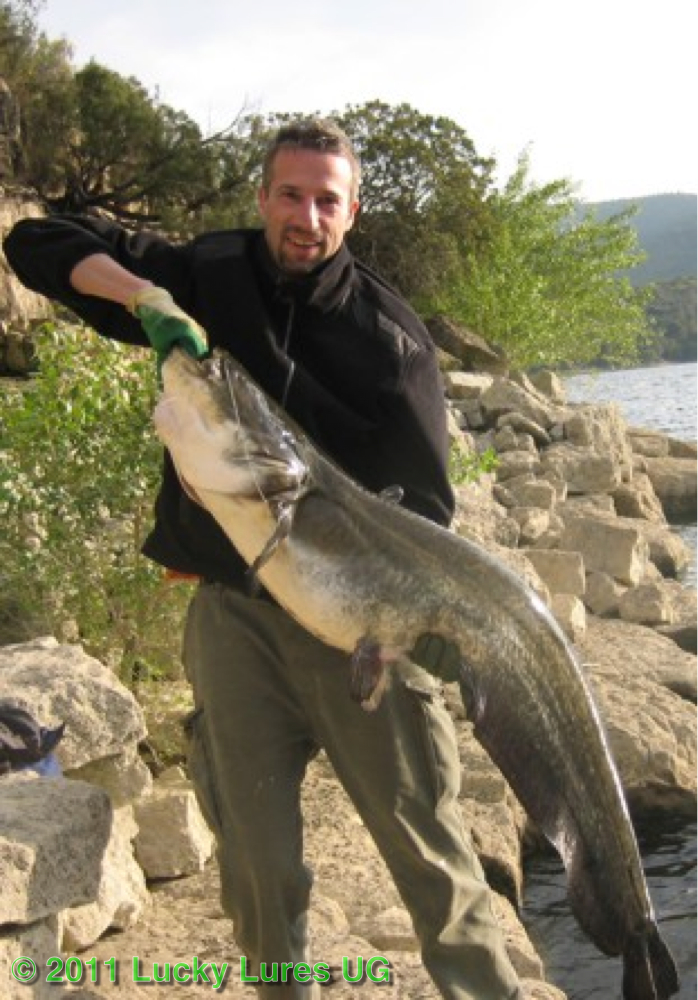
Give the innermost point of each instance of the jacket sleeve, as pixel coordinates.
(417, 437)
(43, 253)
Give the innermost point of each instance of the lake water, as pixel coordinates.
(663, 398)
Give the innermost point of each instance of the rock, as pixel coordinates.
(392, 930)
(533, 493)
(651, 730)
(532, 521)
(474, 352)
(674, 481)
(453, 426)
(541, 991)
(39, 941)
(516, 463)
(121, 895)
(491, 814)
(17, 303)
(63, 684)
(551, 385)
(124, 776)
(638, 499)
(466, 385)
(327, 919)
(17, 352)
(652, 656)
(603, 594)
(53, 835)
(173, 838)
(682, 449)
(652, 733)
(506, 439)
(562, 572)
(571, 615)
(524, 425)
(602, 429)
(557, 482)
(506, 397)
(669, 553)
(480, 519)
(647, 442)
(471, 413)
(647, 604)
(607, 547)
(584, 470)
(654, 444)
(523, 567)
(685, 635)
(593, 505)
(525, 442)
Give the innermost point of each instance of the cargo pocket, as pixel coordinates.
(436, 735)
(201, 771)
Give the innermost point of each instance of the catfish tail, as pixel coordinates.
(649, 972)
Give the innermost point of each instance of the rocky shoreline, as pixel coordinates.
(110, 862)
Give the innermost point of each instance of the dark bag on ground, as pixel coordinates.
(25, 743)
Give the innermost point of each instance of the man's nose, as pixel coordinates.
(307, 213)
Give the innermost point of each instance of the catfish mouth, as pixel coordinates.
(260, 450)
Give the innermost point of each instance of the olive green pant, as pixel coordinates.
(267, 696)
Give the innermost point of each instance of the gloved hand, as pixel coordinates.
(165, 324)
(437, 656)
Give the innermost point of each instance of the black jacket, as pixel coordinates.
(365, 387)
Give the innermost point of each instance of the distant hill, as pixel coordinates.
(666, 228)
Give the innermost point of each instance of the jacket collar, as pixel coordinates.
(326, 288)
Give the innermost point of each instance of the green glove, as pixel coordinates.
(165, 324)
(438, 656)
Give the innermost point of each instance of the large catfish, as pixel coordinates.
(369, 577)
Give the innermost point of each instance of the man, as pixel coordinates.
(355, 367)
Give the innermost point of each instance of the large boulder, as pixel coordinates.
(583, 469)
(17, 304)
(607, 547)
(53, 835)
(602, 429)
(475, 354)
(504, 397)
(674, 481)
(642, 681)
(562, 572)
(121, 894)
(61, 683)
(173, 838)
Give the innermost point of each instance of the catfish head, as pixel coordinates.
(222, 432)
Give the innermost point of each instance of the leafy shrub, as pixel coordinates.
(466, 467)
(79, 467)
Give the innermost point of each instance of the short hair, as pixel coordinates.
(319, 134)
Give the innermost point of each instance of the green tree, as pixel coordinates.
(416, 169)
(546, 284)
(673, 311)
(18, 33)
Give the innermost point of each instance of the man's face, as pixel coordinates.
(307, 208)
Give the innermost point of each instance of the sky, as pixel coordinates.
(599, 92)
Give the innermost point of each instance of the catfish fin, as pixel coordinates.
(368, 675)
(649, 972)
(284, 522)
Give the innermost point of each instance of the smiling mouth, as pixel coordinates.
(303, 243)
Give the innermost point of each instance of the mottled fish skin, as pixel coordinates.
(369, 577)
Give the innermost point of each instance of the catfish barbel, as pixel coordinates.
(369, 577)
